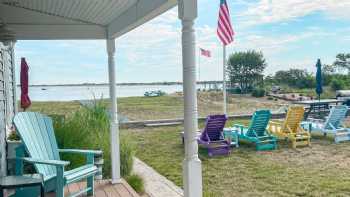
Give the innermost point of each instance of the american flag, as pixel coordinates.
(205, 53)
(224, 30)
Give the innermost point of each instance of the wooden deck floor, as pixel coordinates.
(103, 188)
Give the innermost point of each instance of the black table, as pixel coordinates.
(317, 106)
(13, 182)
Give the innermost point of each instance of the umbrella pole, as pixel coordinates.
(319, 108)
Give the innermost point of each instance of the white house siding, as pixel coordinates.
(7, 99)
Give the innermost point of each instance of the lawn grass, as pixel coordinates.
(167, 107)
(320, 170)
(55, 108)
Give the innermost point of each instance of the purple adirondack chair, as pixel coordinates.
(212, 136)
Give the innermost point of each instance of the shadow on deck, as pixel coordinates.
(103, 188)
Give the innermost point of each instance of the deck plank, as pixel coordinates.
(130, 189)
(66, 192)
(103, 188)
(99, 191)
(73, 188)
(121, 190)
(82, 185)
(111, 192)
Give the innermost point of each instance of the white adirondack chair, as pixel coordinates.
(332, 125)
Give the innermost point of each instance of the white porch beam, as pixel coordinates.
(192, 168)
(31, 25)
(138, 14)
(114, 127)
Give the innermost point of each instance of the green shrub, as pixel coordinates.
(126, 157)
(306, 82)
(136, 182)
(270, 98)
(235, 90)
(258, 92)
(337, 84)
(88, 128)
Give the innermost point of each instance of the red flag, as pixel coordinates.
(25, 100)
(224, 30)
(205, 53)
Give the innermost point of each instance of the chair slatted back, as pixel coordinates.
(295, 115)
(37, 134)
(336, 116)
(213, 127)
(259, 122)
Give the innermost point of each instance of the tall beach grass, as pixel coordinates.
(88, 128)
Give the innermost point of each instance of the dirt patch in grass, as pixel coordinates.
(323, 154)
(171, 106)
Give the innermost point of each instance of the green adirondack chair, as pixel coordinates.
(256, 131)
(39, 142)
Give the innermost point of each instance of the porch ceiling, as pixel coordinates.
(78, 19)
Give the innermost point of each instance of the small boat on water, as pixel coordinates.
(43, 89)
(154, 93)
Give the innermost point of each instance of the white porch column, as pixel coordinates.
(114, 127)
(192, 169)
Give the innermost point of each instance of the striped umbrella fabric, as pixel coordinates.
(224, 30)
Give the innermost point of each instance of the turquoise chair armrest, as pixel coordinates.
(47, 162)
(240, 126)
(79, 151)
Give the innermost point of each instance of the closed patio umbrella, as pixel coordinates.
(319, 89)
(25, 100)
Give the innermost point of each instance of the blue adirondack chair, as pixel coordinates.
(39, 142)
(212, 136)
(332, 124)
(256, 131)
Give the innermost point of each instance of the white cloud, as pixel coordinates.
(152, 52)
(271, 11)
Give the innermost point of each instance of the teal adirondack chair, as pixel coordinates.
(256, 131)
(38, 138)
(332, 125)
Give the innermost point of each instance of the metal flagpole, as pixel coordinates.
(199, 65)
(224, 80)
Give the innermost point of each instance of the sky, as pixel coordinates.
(290, 34)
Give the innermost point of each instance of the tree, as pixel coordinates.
(337, 84)
(328, 73)
(295, 78)
(246, 68)
(343, 61)
(329, 69)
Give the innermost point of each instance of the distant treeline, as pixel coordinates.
(123, 84)
(246, 69)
